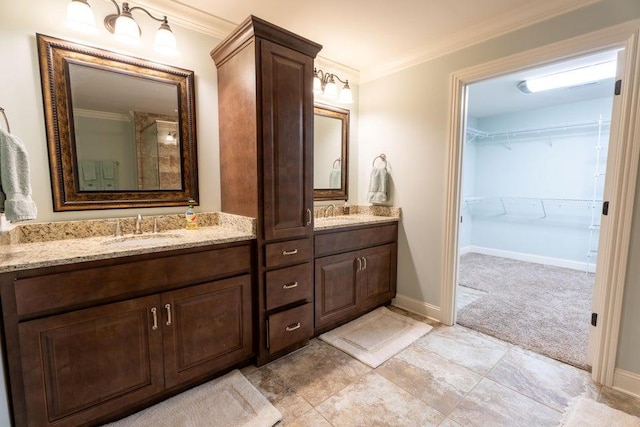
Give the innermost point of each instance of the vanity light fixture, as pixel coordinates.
(570, 78)
(122, 24)
(325, 83)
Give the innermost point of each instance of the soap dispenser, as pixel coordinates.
(191, 217)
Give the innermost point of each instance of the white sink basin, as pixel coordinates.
(142, 240)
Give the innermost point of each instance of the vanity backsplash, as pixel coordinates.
(63, 230)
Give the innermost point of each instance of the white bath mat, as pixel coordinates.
(585, 412)
(228, 401)
(376, 336)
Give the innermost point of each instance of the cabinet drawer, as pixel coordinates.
(344, 241)
(289, 327)
(80, 287)
(287, 253)
(289, 285)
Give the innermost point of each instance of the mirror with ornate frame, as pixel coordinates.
(121, 130)
(330, 153)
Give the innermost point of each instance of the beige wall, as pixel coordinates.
(406, 115)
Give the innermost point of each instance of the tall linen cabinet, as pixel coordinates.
(265, 97)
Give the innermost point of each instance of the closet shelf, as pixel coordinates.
(524, 134)
(579, 210)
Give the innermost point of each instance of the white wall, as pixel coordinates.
(558, 165)
(406, 115)
(21, 96)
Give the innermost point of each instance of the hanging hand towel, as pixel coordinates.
(335, 179)
(379, 186)
(15, 186)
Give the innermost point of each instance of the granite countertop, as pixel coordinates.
(343, 221)
(33, 251)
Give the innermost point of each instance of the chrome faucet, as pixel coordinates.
(138, 224)
(333, 210)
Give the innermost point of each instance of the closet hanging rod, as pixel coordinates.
(6, 119)
(485, 135)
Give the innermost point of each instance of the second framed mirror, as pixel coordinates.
(330, 153)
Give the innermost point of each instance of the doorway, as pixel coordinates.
(622, 168)
(533, 172)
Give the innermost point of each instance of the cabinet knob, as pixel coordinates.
(290, 285)
(154, 311)
(293, 252)
(292, 327)
(168, 307)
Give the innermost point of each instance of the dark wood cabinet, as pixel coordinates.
(80, 365)
(265, 108)
(349, 284)
(77, 360)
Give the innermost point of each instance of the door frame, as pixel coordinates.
(622, 169)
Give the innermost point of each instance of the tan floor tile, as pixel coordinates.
(290, 404)
(449, 423)
(491, 404)
(547, 381)
(430, 377)
(374, 401)
(619, 400)
(414, 316)
(310, 419)
(318, 370)
(464, 347)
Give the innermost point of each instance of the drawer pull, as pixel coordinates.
(168, 307)
(293, 252)
(154, 311)
(359, 264)
(292, 327)
(290, 285)
(309, 216)
(364, 260)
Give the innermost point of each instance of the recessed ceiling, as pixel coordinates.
(501, 95)
(371, 35)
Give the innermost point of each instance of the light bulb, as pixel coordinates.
(330, 89)
(317, 84)
(81, 17)
(126, 29)
(345, 94)
(165, 40)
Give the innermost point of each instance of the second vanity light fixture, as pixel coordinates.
(122, 24)
(325, 83)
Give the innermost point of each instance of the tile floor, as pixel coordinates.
(451, 377)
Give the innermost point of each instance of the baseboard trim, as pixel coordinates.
(537, 259)
(416, 306)
(626, 382)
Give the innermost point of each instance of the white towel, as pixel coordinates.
(108, 169)
(378, 186)
(15, 186)
(88, 170)
(335, 179)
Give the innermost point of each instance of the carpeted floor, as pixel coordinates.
(542, 308)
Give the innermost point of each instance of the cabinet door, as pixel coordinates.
(336, 281)
(378, 274)
(287, 141)
(206, 328)
(89, 363)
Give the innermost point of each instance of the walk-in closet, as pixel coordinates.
(534, 167)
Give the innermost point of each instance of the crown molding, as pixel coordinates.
(343, 71)
(103, 115)
(187, 16)
(497, 26)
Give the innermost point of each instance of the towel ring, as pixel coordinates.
(6, 120)
(338, 161)
(383, 157)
